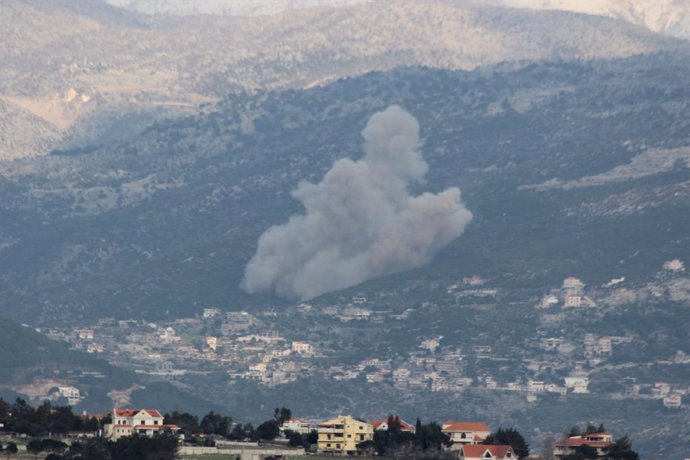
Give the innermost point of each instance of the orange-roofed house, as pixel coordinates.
(146, 422)
(382, 425)
(599, 441)
(482, 452)
(465, 433)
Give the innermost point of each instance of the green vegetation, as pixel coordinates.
(512, 438)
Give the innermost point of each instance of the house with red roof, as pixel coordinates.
(465, 433)
(382, 425)
(569, 446)
(146, 422)
(485, 452)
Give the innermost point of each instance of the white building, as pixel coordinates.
(579, 384)
(673, 401)
(302, 348)
(572, 292)
(209, 313)
(85, 334)
(297, 425)
(72, 394)
(126, 422)
(463, 433)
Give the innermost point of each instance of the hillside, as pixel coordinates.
(129, 70)
(164, 222)
(671, 17)
(31, 364)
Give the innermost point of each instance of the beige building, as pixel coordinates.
(144, 422)
(341, 435)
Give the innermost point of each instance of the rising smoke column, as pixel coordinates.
(360, 221)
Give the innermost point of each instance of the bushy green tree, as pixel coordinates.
(268, 430)
(10, 449)
(621, 449)
(213, 423)
(510, 437)
(282, 415)
(187, 422)
(160, 447)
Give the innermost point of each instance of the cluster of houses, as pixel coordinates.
(344, 435)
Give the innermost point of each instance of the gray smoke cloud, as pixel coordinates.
(360, 222)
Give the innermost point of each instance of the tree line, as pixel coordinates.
(428, 440)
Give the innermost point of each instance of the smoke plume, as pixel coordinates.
(360, 221)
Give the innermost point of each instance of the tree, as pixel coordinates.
(366, 448)
(294, 438)
(34, 447)
(91, 449)
(511, 437)
(11, 449)
(430, 436)
(313, 437)
(586, 452)
(53, 446)
(574, 431)
(621, 449)
(268, 430)
(53, 456)
(188, 423)
(213, 423)
(160, 447)
(282, 415)
(547, 449)
(242, 432)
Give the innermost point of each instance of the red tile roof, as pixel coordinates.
(452, 425)
(577, 442)
(404, 426)
(133, 412)
(478, 450)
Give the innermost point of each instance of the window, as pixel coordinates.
(349, 435)
(328, 445)
(155, 422)
(463, 436)
(337, 446)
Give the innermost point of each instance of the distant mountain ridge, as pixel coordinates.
(128, 70)
(226, 7)
(671, 17)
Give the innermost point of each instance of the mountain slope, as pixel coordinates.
(671, 17)
(110, 62)
(164, 222)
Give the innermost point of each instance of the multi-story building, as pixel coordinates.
(341, 435)
(72, 394)
(302, 348)
(297, 425)
(463, 433)
(599, 441)
(126, 422)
